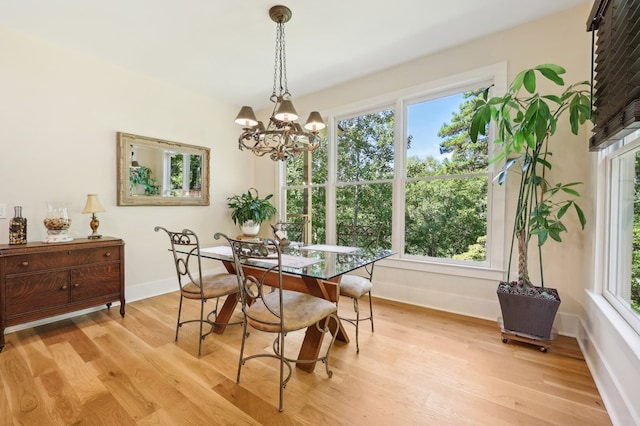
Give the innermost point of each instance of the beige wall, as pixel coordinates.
(59, 114)
(560, 39)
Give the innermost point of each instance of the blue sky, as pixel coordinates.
(424, 119)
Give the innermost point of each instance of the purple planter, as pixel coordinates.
(526, 314)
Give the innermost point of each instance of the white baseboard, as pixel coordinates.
(462, 304)
(611, 349)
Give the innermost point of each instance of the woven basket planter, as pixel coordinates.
(529, 315)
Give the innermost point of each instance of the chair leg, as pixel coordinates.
(241, 361)
(179, 313)
(326, 329)
(371, 311)
(200, 337)
(357, 323)
(282, 361)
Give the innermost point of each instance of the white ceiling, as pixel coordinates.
(226, 49)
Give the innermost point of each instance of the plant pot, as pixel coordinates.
(528, 314)
(250, 229)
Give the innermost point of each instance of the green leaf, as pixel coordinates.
(574, 116)
(553, 98)
(570, 191)
(563, 210)
(555, 236)
(530, 81)
(550, 74)
(476, 125)
(541, 129)
(544, 162)
(517, 81)
(580, 213)
(542, 235)
(552, 67)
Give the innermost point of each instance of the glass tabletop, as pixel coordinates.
(316, 261)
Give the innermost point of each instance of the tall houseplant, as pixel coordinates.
(526, 121)
(248, 210)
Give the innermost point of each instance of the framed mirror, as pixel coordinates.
(156, 172)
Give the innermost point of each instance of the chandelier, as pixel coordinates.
(283, 137)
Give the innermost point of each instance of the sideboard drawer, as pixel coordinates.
(97, 255)
(26, 263)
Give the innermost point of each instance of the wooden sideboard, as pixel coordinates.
(39, 280)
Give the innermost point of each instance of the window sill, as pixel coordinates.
(442, 268)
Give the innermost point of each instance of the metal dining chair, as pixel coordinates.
(355, 286)
(185, 248)
(294, 230)
(269, 308)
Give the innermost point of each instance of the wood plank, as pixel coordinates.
(419, 367)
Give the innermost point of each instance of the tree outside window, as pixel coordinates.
(445, 178)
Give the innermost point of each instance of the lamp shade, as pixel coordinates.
(314, 122)
(93, 204)
(286, 112)
(246, 117)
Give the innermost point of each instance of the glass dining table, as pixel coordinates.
(313, 269)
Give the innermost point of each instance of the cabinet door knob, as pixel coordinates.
(76, 285)
(25, 263)
(107, 254)
(64, 287)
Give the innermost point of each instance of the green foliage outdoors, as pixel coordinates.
(365, 153)
(195, 167)
(525, 123)
(443, 216)
(635, 259)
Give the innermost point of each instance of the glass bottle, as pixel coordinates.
(18, 227)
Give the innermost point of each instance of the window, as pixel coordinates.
(446, 185)
(623, 281)
(182, 174)
(365, 171)
(304, 192)
(409, 165)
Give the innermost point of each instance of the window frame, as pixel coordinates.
(494, 267)
(615, 262)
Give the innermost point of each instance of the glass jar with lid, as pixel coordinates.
(57, 223)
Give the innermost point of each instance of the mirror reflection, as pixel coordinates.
(159, 172)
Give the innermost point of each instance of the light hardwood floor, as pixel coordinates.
(420, 367)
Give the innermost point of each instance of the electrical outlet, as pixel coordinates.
(3, 211)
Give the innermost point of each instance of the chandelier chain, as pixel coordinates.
(280, 83)
(283, 65)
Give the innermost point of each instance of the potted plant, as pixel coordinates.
(140, 177)
(249, 210)
(526, 121)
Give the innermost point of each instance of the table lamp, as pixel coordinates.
(93, 206)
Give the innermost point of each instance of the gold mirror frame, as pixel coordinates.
(141, 179)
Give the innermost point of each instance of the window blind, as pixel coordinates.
(615, 74)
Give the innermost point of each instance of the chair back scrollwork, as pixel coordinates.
(185, 247)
